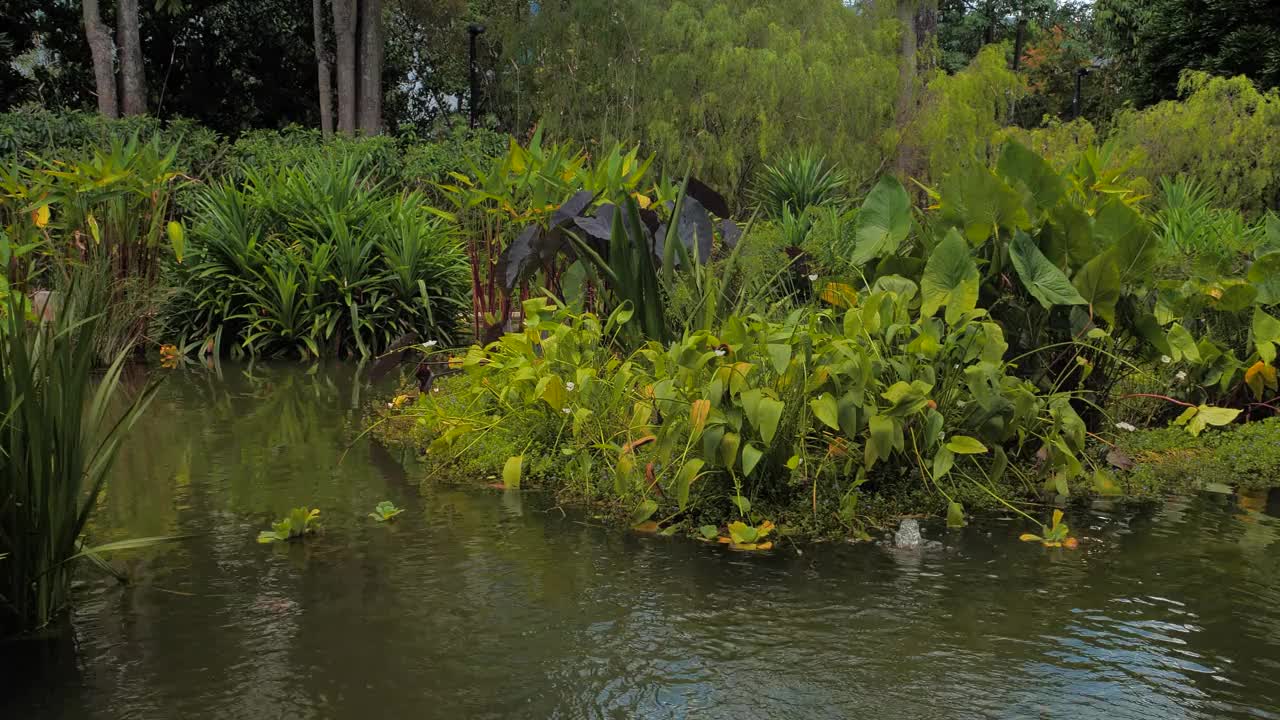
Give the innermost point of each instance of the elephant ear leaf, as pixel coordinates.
(1042, 278)
(518, 258)
(950, 279)
(883, 223)
(1098, 282)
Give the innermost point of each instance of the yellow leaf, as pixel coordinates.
(41, 216)
(643, 200)
(93, 230)
(698, 415)
(1057, 517)
(648, 526)
(839, 295)
(1028, 537)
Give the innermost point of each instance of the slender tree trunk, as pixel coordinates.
(100, 47)
(133, 76)
(322, 69)
(919, 19)
(344, 36)
(371, 53)
(1018, 39)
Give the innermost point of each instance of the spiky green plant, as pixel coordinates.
(802, 180)
(60, 430)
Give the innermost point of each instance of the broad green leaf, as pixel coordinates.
(825, 409)
(769, 413)
(1023, 167)
(979, 201)
(1264, 274)
(1104, 484)
(943, 461)
(643, 511)
(883, 222)
(779, 355)
(708, 532)
(965, 445)
(177, 239)
(1266, 334)
(552, 391)
(1120, 227)
(729, 449)
(950, 280)
(511, 472)
(999, 464)
(1182, 344)
(684, 480)
(1043, 279)
(879, 439)
(750, 458)
(1098, 283)
(955, 515)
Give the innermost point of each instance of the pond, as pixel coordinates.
(482, 604)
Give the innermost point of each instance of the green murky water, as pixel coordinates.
(479, 604)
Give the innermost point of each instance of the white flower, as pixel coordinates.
(720, 353)
(813, 277)
(1166, 359)
(566, 411)
(391, 405)
(429, 344)
(1126, 426)
(1182, 375)
(942, 435)
(569, 386)
(435, 389)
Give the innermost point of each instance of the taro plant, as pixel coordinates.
(385, 511)
(299, 523)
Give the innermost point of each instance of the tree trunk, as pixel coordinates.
(322, 69)
(371, 52)
(919, 19)
(344, 37)
(133, 76)
(100, 47)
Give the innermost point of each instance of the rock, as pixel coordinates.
(908, 535)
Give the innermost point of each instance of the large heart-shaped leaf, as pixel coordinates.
(1043, 279)
(950, 279)
(684, 480)
(883, 223)
(1023, 167)
(1264, 274)
(825, 409)
(1098, 283)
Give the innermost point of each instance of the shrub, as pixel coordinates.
(315, 259)
(294, 146)
(801, 181)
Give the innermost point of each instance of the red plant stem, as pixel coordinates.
(1158, 397)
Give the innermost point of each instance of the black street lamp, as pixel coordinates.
(475, 29)
(1075, 101)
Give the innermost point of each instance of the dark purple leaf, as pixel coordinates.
(650, 218)
(572, 208)
(518, 257)
(695, 229)
(710, 199)
(730, 232)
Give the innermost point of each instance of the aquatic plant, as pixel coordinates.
(299, 523)
(1055, 535)
(60, 431)
(385, 511)
(740, 536)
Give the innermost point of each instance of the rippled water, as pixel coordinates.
(481, 604)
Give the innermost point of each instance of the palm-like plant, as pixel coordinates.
(801, 181)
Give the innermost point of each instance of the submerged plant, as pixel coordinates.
(298, 523)
(385, 511)
(1055, 535)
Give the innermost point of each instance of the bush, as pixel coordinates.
(315, 259)
(265, 150)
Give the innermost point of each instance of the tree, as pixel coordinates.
(1157, 40)
(101, 48)
(372, 50)
(919, 23)
(133, 78)
(322, 69)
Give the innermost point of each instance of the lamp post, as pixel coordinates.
(475, 29)
(1075, 101)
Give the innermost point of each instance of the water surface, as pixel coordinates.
(490, 605)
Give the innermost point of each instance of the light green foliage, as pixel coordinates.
(722, 86)
(1169, 460)
(961, 113)
(1224, 133)
(315, 260)
(299, 523)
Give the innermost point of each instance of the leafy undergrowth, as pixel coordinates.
(1169, 461)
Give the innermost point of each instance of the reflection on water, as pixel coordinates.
(481, 604)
